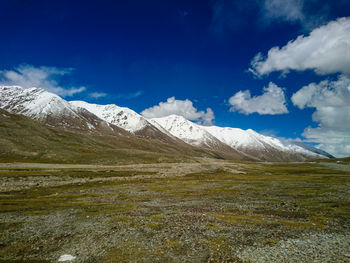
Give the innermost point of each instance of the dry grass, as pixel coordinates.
(201, 217)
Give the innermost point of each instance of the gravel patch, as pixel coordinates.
(308, 248)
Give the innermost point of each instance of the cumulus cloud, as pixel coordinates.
(272, 101)
(183, 108)
(331, 99)
(208, 117)
(28, 76)
(326, 50)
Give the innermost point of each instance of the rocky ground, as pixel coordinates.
(207, 211)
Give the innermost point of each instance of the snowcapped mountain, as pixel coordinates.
(128, 120)
(249, 142)
(185, 130)
(195, 135)
(51, 109)
(233, 143)
(120, 116)
(313, 149)
(235, 137)
(34, 102)
(256, 144)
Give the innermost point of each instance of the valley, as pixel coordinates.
(34, 121)
(205, 210)
(213, 131)
(83, 182)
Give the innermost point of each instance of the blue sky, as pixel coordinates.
(141, 53)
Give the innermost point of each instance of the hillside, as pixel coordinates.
(248, 143)
(25, 139)
(112, 133)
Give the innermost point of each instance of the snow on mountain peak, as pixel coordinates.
(120, 116)
(238, 139)
(40, 104)
(33, 102)
(233, 137)
(252, 140)
(184, 129)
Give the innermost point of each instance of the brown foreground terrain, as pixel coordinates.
(204, 211)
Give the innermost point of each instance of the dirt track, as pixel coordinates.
(159, 170)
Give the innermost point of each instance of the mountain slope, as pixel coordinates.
(129, 120)
(51, 109)
(313, 149)
(249, 142)
(33, 102)
(120, 116)
(195, 135)
(29, 140)
(262, 147)
(112, 122)
(88, 119)
(185, 130)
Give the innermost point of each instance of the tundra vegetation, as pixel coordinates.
(207, 211)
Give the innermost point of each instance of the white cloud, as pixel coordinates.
(272, 101)
(326, 50)
(28, 76)
(183, 108)
(287, 10)
(208, 117)
(97, 95)
(331, 99)
(308, 14)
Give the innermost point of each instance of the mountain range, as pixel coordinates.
(111, 124)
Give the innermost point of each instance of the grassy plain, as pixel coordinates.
(207, 211)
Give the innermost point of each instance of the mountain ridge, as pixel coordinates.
(248, 142)
(223, 142)
(39, 104)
